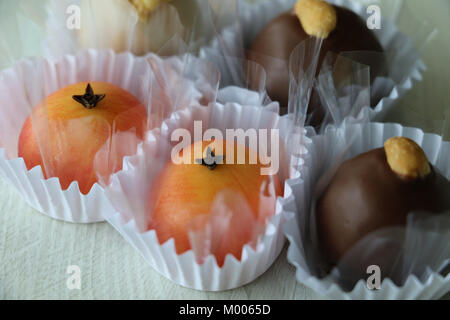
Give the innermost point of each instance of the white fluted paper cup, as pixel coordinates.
(184, 269)
(405, 67)
(430, 284)
(123, 70)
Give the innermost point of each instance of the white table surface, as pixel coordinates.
(35, 251)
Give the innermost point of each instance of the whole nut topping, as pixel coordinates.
(318, 18)
(145, 8)
(406, 158)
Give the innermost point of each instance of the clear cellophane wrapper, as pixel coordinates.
(48, 186)
(340, 92)
(416, 264)
(122, 26)
(403, 65)
(133, 193)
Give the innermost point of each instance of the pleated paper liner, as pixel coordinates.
(129, 218)
(138, 75)
(427, 281)
(405, 65)
(123, 27)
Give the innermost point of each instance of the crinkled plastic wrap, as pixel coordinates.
(61, 149)
(415, 257)
(402, 53)
(342, 91)
(132, 25)
(339, 92)
(303, 65)
(238, 237)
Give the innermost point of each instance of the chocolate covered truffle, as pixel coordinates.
(341, 29)
(375, 190)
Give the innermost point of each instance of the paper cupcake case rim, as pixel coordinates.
(433, 287)
(68, 205)
(175, 270)
(184, 269)
(46, 194)
(230, 36)
(384, 105)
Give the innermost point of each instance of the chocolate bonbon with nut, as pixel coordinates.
(342, 30)
(377, 189)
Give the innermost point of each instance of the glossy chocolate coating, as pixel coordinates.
(365, 195)
(274, 45)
